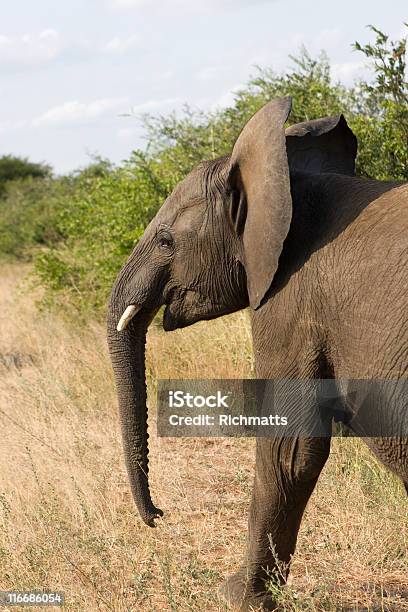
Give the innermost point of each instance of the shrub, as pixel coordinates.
(381, 111)
(102, 220)
(29, 212)
(13, 168)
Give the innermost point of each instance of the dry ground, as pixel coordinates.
(67, 521)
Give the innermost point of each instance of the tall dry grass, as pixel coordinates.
(67, 521)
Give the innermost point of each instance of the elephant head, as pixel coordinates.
(213, 248)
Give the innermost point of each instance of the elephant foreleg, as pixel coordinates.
(287, 470)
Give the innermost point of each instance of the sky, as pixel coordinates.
(75, 77)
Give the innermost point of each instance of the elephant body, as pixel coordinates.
(320, 256)
(339, 296)
(334, 311)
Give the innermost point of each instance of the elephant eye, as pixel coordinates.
(165, 241)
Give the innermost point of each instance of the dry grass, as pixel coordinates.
(66, 518)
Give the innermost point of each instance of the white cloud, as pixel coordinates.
(127, 134)
(29, 49)
(209, 72)
(167, 74)
(184, 5)
(129, 3)
(119, 46)
(347, 72)
(328, 39)
(227, 98)
(131, 132)
(10, 126)
(74, 111)
(152, 105)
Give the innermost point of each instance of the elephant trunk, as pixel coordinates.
(127, 352)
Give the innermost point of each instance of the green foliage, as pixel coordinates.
(381, 110)
(29, 211)
(82, 227)
(184, 142)
(14, 168)
(101, 222)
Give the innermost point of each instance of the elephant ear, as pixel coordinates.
(261, 205)
(322, 145)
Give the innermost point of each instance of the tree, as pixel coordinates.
(12, 168)
(381, 110)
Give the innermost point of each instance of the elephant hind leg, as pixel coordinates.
(393, 453)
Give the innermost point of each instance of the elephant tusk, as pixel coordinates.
(129, 313)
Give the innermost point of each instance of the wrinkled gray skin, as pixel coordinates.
(320, 257)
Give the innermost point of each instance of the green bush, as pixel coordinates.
(81, 228)
(103, 219)
(29, 211)
(14, 168)
(381, 111)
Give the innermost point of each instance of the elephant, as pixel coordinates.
(282, 226)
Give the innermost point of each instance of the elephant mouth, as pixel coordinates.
(175, 318)
(182, 311)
